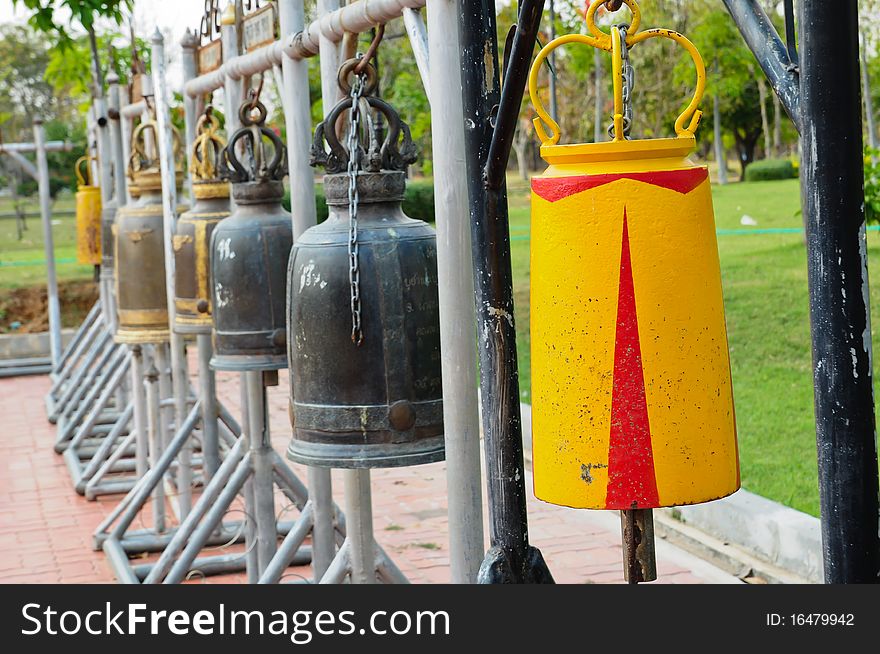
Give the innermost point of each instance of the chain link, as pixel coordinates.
(628, 74)
(354, 275)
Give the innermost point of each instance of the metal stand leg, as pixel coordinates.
(360, 557)
(208, 394)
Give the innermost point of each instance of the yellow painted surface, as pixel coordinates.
(88, 225)
(575, 271)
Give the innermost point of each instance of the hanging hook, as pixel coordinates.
(371, 51)
(255, 93)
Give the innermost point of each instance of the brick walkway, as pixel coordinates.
(46, 528)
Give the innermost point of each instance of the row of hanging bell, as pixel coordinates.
(139, 260)
(366, 392)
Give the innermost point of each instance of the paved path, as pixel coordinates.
(46, 528)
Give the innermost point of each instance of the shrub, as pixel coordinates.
(872, 186)
(418, 203)
(767, 169)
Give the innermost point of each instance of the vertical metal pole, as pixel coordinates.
(359, 526)
(456, 292)
(139, 420)
(263, 509)
(179, 373)
(189, 44)
(116, 147)
(298, 121)
(208, 395)
(233, 89)
(48, 243)
(157, 445)
(511, 559)
(837, 267)
(125, 129)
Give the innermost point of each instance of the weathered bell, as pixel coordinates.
(249, 252)
(88, 214)
(139, 260)
(364, 341)
(192, 238)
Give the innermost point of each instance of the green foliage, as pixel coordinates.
(69, 66)
(872, 186)
(45, 19)
(418, 203)
(768, 169)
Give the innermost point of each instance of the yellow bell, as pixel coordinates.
(88, 214)
(631, 386)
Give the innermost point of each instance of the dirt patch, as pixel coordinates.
(26, 310)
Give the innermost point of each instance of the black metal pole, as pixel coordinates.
(511, 559)
(833, 204)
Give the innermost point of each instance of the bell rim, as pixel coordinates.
(379, 462)
(130, 336)
(248, 362)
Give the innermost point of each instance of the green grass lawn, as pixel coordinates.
(766, 302)
(22, 262)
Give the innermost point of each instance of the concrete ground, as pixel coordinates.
(46, 528)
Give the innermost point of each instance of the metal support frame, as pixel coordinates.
(824, 103)
(511, 558)
(252, 469)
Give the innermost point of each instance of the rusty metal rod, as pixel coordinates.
(639, 560)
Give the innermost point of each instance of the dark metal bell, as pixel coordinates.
(192, 238)
(139, 253)
(370, 398)
(249, 252)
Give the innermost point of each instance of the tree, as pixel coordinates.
(734, 79)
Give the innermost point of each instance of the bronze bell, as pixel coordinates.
(364, 339)
(249, 252)
(192, 238)
(139, 253)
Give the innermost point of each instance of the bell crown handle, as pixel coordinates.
(83, 174)
(141, 159)
(207, 148)
(395, 152)
(258, 166)
(688, 120)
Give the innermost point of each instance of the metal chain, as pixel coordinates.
(628, 74)
(354, 275)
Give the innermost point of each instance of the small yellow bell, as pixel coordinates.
(88, 214)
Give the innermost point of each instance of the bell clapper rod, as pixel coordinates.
(639, 560)
(511, 558)
(821, 94)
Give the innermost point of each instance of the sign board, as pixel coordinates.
(259, 28)
(210, 56)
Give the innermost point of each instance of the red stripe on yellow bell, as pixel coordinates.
(631, 388)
